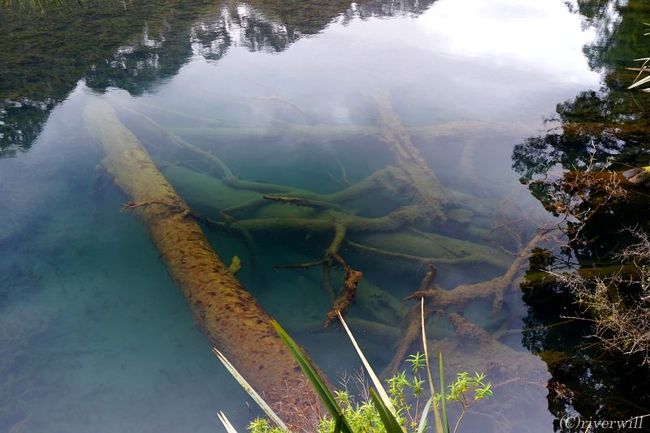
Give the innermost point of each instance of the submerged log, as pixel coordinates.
(426, 184)
(428, 134)
(235, 323)
(474, 349)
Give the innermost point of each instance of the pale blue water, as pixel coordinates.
(100, 340)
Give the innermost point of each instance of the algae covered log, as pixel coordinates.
(233, 320)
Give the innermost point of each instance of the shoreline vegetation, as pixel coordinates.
(400, 409)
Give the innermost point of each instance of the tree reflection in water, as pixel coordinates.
(136, 51)
(605, 130)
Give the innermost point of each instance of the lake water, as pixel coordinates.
(94, 335)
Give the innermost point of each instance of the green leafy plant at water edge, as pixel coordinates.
(398, 409)
(463, 386)
(406, 390)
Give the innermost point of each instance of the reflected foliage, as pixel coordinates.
(46, 53)
(48, 47)
(21, 122)
(592, 128)
(618, 25)
(585, 380)
(598, 133)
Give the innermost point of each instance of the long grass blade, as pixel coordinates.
(387, 418)
(337, 426)
(641, 82)
(249, 389)
(425, 415)
(375, 380)
(432, 386)
(313, 376)
(226, 422)
(443, 397)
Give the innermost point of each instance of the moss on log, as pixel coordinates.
(232, 319)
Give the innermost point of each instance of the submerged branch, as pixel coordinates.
(299, 201)
(426, 184)
(460, 295)
(413, 328)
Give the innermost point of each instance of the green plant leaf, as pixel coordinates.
(443, 399)
(641, 82)
(313, 376)
(375, 380)
(249, 389)
(226, 422)
(337, 426)
(432, 387)
(387, 419)
(425, 415)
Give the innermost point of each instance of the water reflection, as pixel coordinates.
(138, 50)
(515, 35)
(45, 55)
(604, 129)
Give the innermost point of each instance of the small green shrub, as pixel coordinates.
(398, 410)
(406, 391)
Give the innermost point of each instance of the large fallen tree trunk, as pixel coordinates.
(232, 319)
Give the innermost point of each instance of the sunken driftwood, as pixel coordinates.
(230, 316)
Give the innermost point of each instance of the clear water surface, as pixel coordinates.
(96, 336)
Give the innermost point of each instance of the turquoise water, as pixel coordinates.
(96, 337)
(108, 343)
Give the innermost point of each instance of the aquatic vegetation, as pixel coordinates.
(393, 236)
(403, 178)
